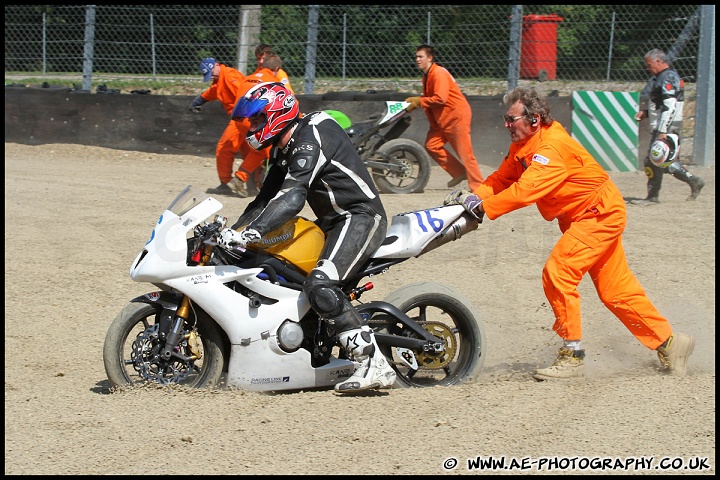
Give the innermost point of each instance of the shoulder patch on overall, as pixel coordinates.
(540, 159)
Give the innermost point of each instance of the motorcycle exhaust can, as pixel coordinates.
(466, 223)
(417, 232)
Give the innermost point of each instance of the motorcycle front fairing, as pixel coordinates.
(256, 360)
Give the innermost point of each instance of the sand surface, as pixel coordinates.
(76, 217)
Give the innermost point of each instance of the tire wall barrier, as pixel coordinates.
(163, 123)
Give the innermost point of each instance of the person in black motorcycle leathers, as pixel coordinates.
(313, 160)
(666, 92)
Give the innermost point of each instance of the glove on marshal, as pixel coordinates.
(196, 104)
(468, 200)
(414, 103)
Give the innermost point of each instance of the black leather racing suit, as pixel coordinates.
(320, 165)
(666, 92)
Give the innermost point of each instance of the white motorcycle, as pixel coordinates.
(239, 318)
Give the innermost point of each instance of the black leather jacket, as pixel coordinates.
(319, 165)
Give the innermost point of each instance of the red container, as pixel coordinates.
(538, 49)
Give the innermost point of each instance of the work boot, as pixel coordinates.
(224, 189)
(238, 186)
(646, 201)
(674, 353)
(696, 184)
(456, 180)
(373, 370)
(221, 189)
(568, 364)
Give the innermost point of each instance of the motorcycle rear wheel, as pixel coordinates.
(450, 316)
(415, 161)
(131, 325)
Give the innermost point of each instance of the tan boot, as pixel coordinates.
(456, 180)
(238, 186)
(568, 364)
(674, 353)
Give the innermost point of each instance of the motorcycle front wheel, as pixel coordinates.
(133, 342)
(414, 164)
(449, 316)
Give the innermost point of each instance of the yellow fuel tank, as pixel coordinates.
(299, 241)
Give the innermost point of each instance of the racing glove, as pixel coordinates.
(469, 201)
(414, 103)
(196, 104)
(230, 237)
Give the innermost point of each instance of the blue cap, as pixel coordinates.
(206, 68)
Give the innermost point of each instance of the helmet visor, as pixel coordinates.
(247, 107)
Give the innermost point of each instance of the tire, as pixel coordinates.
(413, 157)
(442, 311)
(137, 318)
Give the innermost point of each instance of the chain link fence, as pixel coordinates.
(487, 48)
(345, 43)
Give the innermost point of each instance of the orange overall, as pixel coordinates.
(252, 158)
(555, 172)
(450, 116)
(230, 86)
(282, 77)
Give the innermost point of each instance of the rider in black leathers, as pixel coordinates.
(313, 160)
(666, 92)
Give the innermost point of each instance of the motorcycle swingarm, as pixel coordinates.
(384, 165)
(396, 313)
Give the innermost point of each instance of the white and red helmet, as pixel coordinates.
(665, 151)
(278, 105)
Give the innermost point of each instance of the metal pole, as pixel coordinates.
(514, 48)
(704, 142)
(243, 40)
(344, 44)
(152, 44)
(44, 62)
(311, 52)
(610, 47)
(89, 47)
(428, 28)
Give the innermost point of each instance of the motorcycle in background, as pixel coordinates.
(397, 165)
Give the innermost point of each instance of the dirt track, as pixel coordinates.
(76, 217)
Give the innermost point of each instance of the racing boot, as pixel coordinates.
(681, 173)
(696, 184)
(373, 370)
(674, 353)
(568, 364)
(654, 175)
